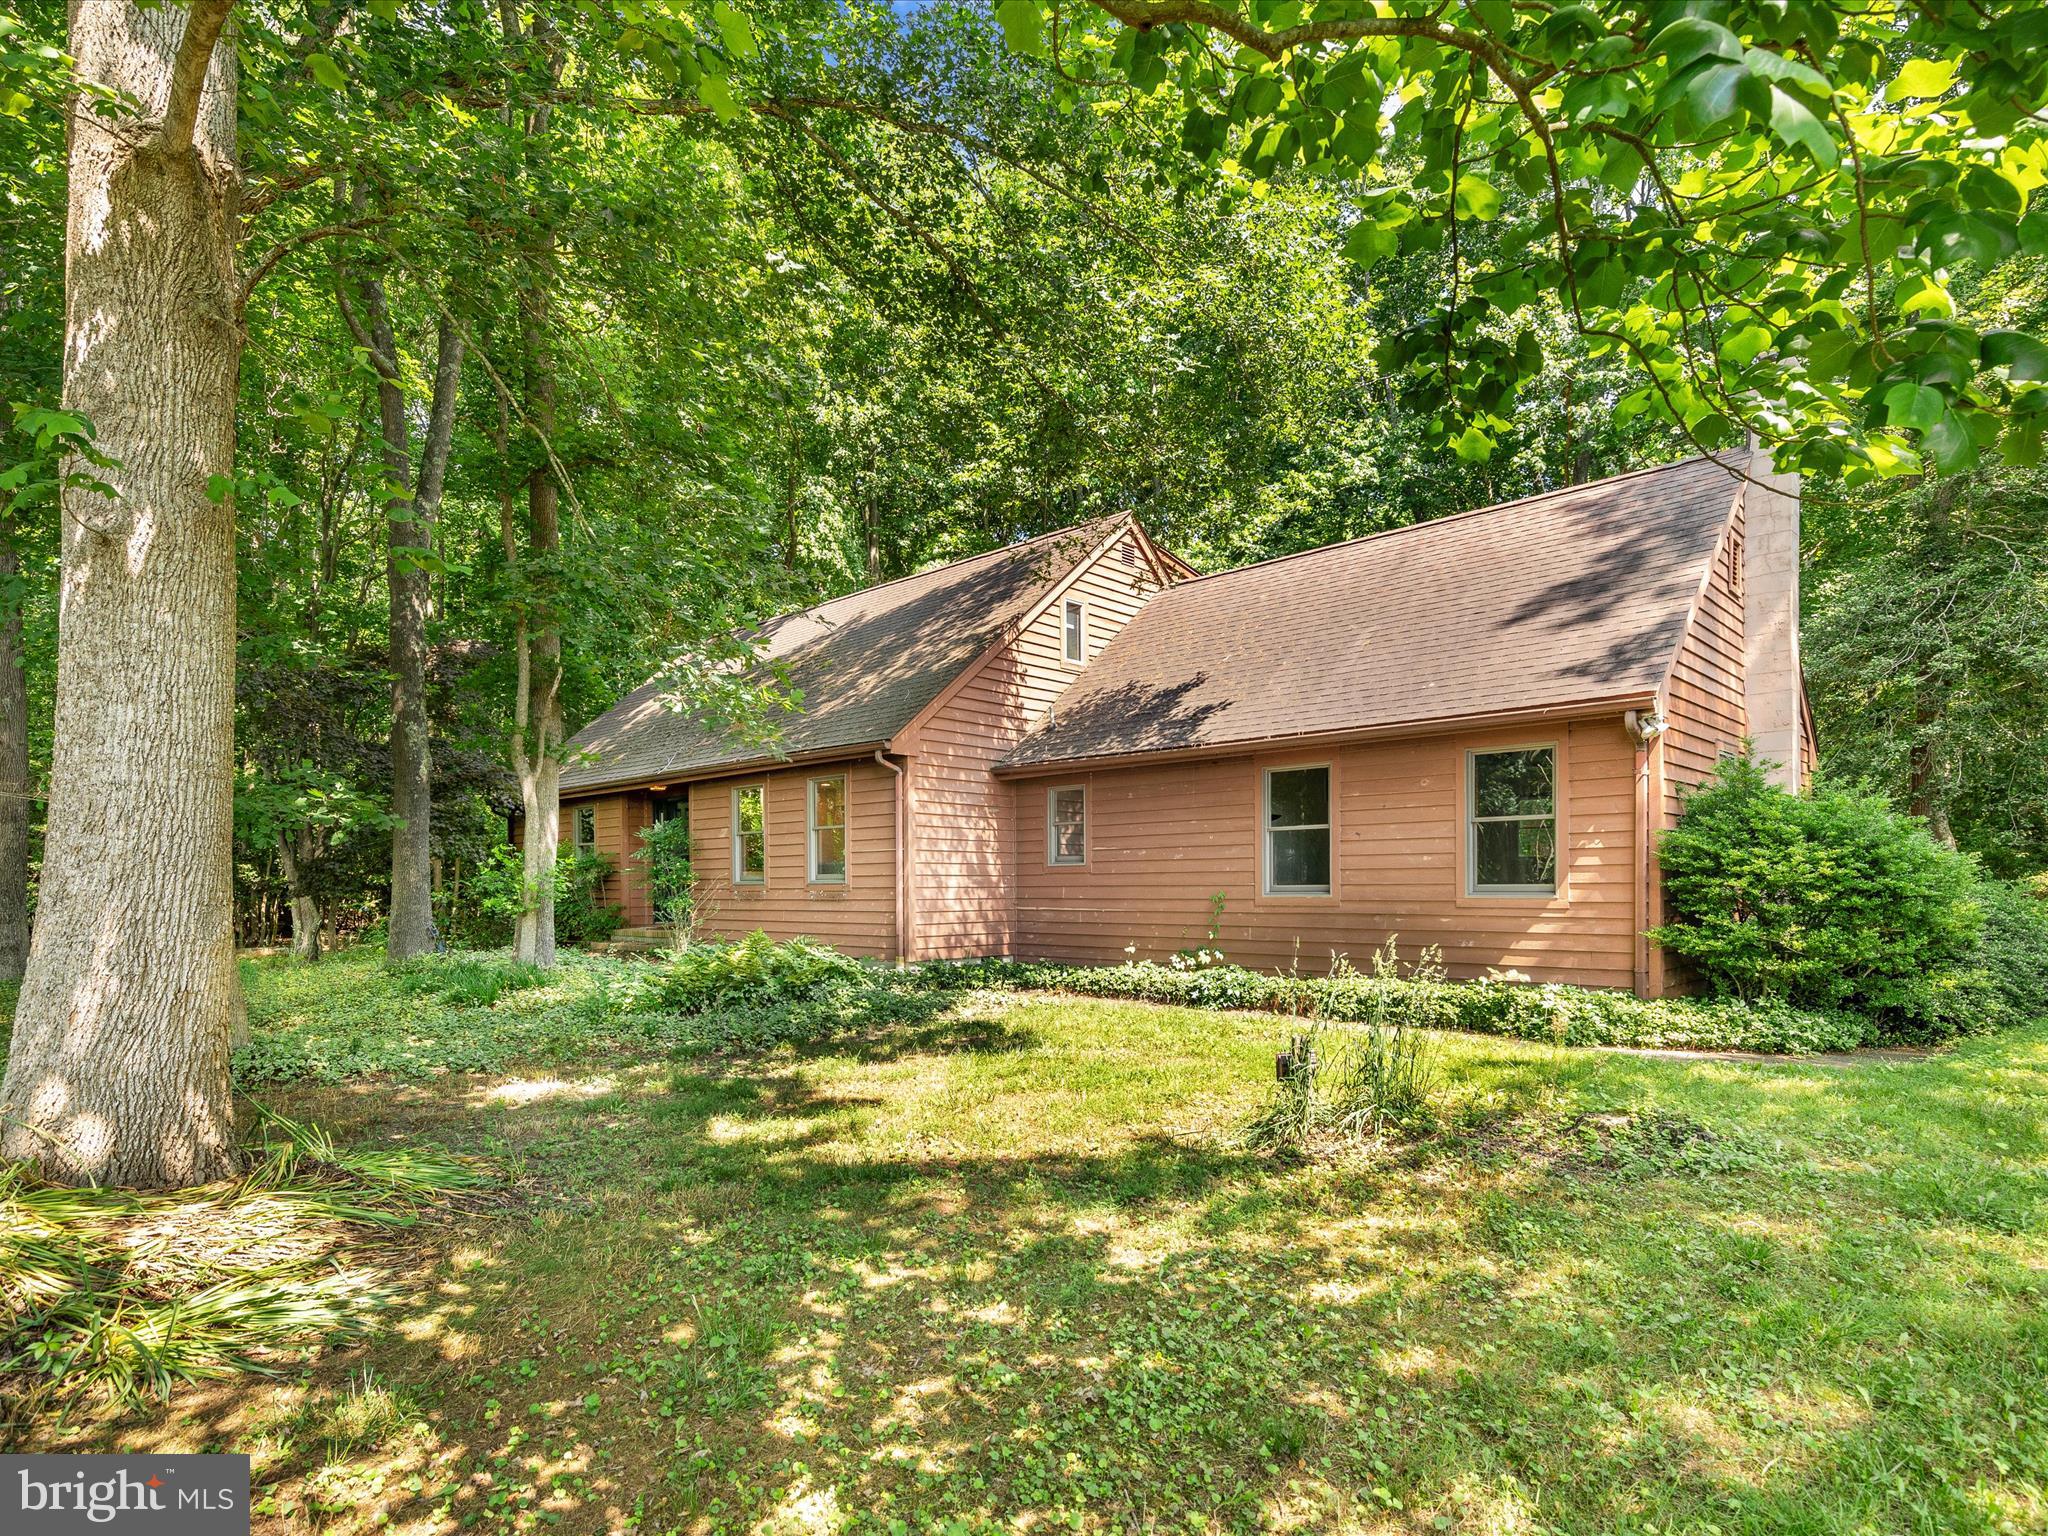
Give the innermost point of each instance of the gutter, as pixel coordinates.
(1308, 740)
(902, 873)
(714, 771)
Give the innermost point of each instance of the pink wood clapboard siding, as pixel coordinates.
(619, 818)
(1704, 714)
(1161, 840)
(961, 820)
(858, 916)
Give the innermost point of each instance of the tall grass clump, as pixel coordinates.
(1369, 1081)
(124, 1296)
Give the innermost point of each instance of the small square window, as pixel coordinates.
(749, 835)
(1076, 633)
(1066, 825)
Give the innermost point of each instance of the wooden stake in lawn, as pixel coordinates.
(118, 1071)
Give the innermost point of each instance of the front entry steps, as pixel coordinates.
(636, 941)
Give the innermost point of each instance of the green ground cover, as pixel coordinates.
(1003, 1261)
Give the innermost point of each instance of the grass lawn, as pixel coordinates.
(1009, 1268)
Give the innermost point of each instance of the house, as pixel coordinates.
(1465, 733)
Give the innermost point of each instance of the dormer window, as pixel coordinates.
(1076, 633)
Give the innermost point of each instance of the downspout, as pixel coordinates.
(1643, 729)
(902, 874)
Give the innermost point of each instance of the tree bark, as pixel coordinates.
(540, 635)
(293, 856)
(537, 718)
(410, 514)
(118, 1071)
(15, 804)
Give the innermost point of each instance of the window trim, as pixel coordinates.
(1070, 608)
(1266, 830)
(1052, 859)
(1473, 889)
(811, 828)
(739, 879)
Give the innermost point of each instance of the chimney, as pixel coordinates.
(1770, 615)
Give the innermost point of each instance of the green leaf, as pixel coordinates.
(1472, 445)
(734, 28)
(1368, 244)
(1791, 122)
(1913, 405)
(2021, 445)
(1741, 347)
(1709, 96)
(713, 91)
(1950, 442)
(326, 71)
(1921, 78)
(1476, 198)
(2024, 357)
(1203, 133)
(1694, 37)
(1023, 26)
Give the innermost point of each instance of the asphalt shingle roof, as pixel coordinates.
(865, 665)
(1576, 595)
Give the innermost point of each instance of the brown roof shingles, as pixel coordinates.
(865, 665)
(1578, 595)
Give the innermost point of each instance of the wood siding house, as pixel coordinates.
(1463, 734)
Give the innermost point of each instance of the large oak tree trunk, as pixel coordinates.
(118, 1070)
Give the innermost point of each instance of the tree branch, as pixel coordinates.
(290, 243)
(188, 72)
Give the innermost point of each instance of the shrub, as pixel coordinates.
(755, 970)
(470, 980)
(582, 916)
(666, 853)
(2013, 951)
(1829, 900)
(1560, 1015)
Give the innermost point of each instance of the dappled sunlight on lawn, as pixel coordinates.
(1023, 1276)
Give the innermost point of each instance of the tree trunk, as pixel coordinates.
(15, 804)
(537, 720)
(540, 764)
(411, 542)
(118, 1071)
(305, 906)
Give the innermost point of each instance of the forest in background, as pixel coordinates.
(546, 388)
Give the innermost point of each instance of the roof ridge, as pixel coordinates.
(933, 570)
(1449, 517)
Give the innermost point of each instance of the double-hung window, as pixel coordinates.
(828, 831)
(1066, 825)
(1074, 629)
(749, 835)
(1511, 841)
(1296, 814)
(583, 828)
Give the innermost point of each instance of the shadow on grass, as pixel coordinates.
(1162, 1330)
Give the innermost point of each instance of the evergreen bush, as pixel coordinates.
(1828, 901)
